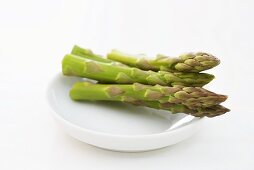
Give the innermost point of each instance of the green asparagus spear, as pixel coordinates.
(192, 97)
(190, 62)
(141, 95)
(73, 65)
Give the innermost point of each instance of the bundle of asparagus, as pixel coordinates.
(175, 84)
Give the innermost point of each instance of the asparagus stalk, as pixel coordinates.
(177, 99)
(192, 97)
(190, 62)
(73, 65)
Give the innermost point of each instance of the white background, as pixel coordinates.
(34, 36)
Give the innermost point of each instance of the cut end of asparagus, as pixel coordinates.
(88, 54)
(81, 51)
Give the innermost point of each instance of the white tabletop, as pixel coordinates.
(34, 36)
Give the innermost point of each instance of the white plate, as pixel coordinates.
(114, 125)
